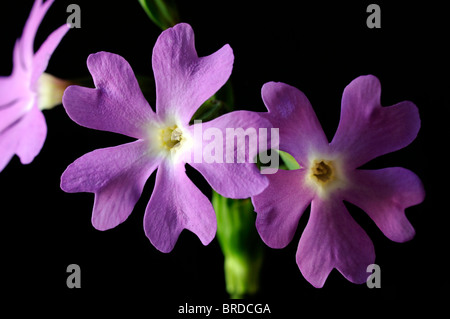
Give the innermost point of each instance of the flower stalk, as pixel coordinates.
(240, 243)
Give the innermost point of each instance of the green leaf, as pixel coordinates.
(163, 13)
(289, 160)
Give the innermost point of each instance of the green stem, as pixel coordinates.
(240, 243)
(163, 13)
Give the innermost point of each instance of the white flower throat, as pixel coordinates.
(169, 139)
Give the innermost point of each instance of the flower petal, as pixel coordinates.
(24, 137)
(116, 105)
(33, 133)
(233, 173)
(12, 87)
(176, 204)
(366, 129)
(280, 206)
(116, 175)
(291, 112)
(42, 56)
(384, 194)
(183, 80)
(14, 111)
(7, 151)
(332, 239)
(23, 60)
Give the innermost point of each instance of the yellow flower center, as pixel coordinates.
(322, 171)
(325, 175)
(170, 138)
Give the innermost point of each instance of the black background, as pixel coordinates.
(318, 48)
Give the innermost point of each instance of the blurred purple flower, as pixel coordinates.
(165, 141)
(22, 124)
(328, 176)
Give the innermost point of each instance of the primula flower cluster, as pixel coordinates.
(328, 175)
(165, 142)
(22, 94)
(328, 172)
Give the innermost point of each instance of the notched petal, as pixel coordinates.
(177, 204)
(116, 176)
(280, 206)
(183, 80)
(384, 195)
(366, 129)
(116, 104)
(332, 239)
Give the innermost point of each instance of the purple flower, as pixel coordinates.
(165, 141)
(328, 175)
(22, 124)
